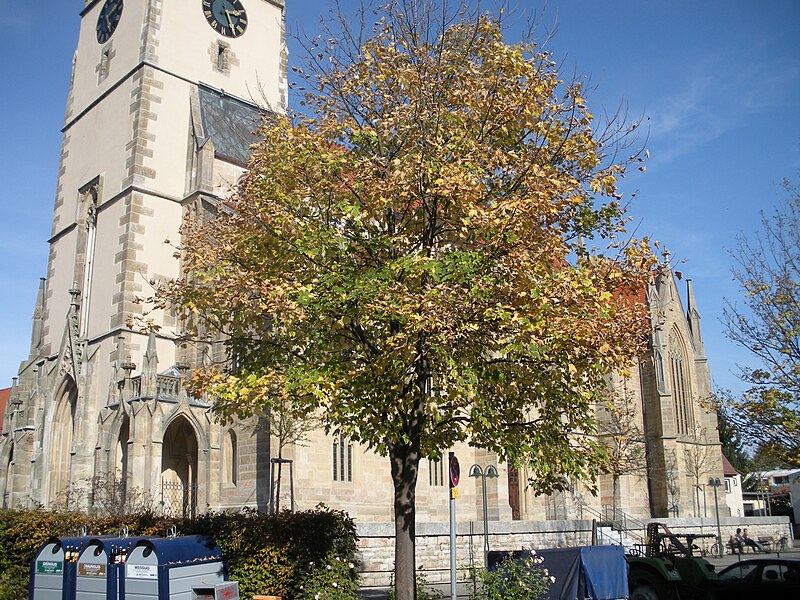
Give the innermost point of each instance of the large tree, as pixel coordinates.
(410, 259)
(767, 323)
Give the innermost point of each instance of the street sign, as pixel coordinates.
(455, 470)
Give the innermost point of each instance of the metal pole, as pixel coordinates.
(485, 525)
(454, 471)
(714, 483)
(452, 544)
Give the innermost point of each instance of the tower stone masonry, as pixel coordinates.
(164, 103)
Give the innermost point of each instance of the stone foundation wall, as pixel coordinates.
(376, 541)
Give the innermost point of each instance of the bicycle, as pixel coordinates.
(782, 541)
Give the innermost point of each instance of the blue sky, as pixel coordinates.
(717, 82)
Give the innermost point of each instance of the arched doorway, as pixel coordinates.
(179, 469)
(62, 438)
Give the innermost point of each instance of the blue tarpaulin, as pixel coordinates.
(596, 572)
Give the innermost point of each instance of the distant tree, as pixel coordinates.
(412, 262)
(288, 428)
(672, 479)
(733, 446)
(768, 325)
(622, 437)
(700, 453)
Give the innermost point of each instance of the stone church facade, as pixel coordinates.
(164, 99)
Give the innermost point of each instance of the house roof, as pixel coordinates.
(727, 468)
(774, 473)
(5, 394)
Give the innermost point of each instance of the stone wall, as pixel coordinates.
(376, 541)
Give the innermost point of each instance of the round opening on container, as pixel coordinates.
(147, 552)
(98, 550)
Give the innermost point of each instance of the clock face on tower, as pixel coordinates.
(227, 17)
(108, 20)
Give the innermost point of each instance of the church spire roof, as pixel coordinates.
(693, 318)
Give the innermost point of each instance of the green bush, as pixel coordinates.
(513, 579)
(286, 554)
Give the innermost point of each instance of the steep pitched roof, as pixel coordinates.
(727, 468)
(230, 122)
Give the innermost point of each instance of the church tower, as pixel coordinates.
(164, 101)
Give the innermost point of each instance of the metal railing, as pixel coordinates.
(627, 526)
(167, 387)
(623, 522)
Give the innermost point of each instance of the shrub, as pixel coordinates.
(286, 554)
(513, 579)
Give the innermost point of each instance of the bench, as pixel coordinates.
(767, 541)
(734, 547)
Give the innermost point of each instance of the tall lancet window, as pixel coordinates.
(681, 389)
(342, 458)
(87, 238)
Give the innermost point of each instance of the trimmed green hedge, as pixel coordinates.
(294, 555)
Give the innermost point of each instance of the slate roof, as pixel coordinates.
(230, 122)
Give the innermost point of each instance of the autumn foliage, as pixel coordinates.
(414, 259)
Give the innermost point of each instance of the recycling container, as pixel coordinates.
(172, 568)
(222, 591)
(53, 569)
(100, 568)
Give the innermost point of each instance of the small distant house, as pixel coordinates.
(733, 488)
(768, 485)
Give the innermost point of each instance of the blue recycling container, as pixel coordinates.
(101, 568)
(53, 570)
(173, 568)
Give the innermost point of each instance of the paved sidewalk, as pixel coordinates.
(730, 559)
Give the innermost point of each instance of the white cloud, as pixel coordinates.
(717, 95)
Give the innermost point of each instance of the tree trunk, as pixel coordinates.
(405, 466)
(277, 501)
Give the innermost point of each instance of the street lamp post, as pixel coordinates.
(714, 483)
(491, 473)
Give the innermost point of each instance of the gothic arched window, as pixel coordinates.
(231, 458)
(679, 382)
(87, 237)
(342, 458)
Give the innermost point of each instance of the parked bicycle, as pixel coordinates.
(782, 542)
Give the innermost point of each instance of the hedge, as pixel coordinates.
(299, 556)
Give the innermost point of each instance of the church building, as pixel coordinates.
(164, 101)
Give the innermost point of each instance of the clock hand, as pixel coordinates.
(228, 14)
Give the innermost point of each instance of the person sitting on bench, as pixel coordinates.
(751, 543)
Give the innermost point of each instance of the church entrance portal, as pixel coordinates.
(179, 469)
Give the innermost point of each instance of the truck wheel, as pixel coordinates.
(647, 586)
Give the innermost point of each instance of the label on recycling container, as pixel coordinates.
(50, 567)
(141, 571)
(91, 570)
